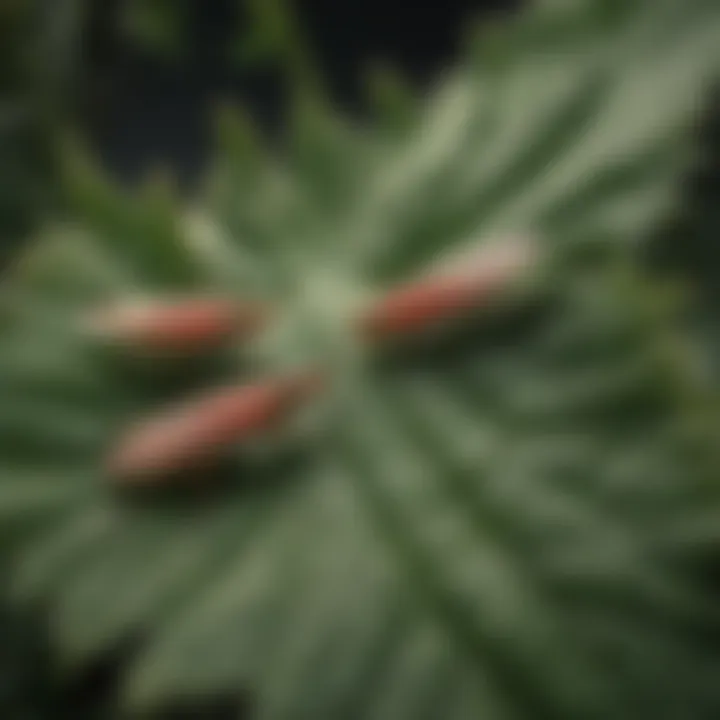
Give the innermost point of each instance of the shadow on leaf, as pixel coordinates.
(228, 478)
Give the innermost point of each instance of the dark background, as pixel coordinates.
(142, 110)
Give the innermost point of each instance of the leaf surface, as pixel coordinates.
(504, 526)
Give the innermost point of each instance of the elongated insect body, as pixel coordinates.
(446, 294)
(189, 325)
(202, 430)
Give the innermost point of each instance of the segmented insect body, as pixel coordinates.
(203, 429)
(178, 326)
(445, 294)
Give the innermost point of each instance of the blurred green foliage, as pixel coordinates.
(161, 26)
(41, 49)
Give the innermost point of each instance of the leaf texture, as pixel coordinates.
(508, 524)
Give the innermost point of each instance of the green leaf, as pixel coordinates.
(146, 229)
(29, 688)
(38, 63)
(276, 37)
(161, 26)
(391, 99)
(550, 125)
(512, 522)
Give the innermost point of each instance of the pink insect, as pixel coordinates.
(445, 294)
(179, 326)
(201, 430)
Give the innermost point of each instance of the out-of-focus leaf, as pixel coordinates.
(38, 59)
(162, 26)
(274, 37)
